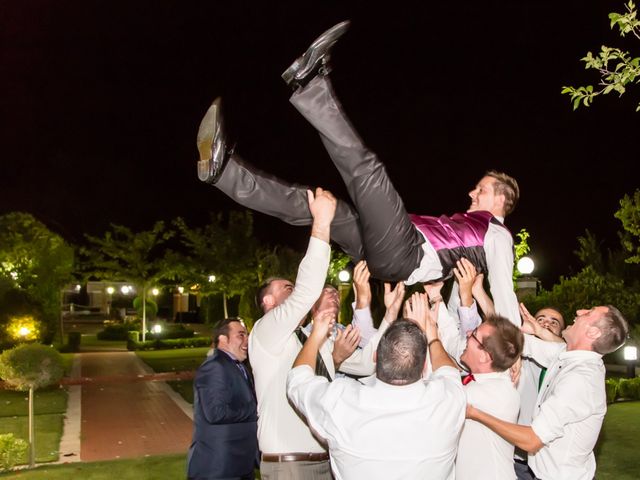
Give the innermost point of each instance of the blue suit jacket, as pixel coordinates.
(225, 417)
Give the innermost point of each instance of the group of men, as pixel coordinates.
(403, 410)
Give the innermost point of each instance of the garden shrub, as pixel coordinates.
(115, 331)
(629, 388)
(12, 449)
(170, 343)
(611, 386)
(31, 366)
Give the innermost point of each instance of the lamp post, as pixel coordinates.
(344, 276)
(110, 291)
(527, 284)
(631, 357)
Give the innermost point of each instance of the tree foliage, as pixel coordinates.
(124, 255)
(36, 261)
(629, 215)
(617, 68)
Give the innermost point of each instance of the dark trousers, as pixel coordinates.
(376, 227)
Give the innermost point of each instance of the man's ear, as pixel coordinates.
(268, 300)
(593, 333)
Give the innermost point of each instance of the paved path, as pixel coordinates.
(128, 418)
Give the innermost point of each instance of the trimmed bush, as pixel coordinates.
(116, 331)
(31, 366)
(12, 449)
(629, 388)
(611, 387)
(172, 331)
(170, 344)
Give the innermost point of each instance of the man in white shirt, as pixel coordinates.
(394, 425)
(547, 324)
(289, 450)
(572, 401)
(492, 348)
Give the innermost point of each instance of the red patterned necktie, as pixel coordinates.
(469, 378)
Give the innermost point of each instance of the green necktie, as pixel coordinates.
(543, 372)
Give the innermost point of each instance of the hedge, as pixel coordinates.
(170, 343)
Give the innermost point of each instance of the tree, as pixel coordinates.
(617, 68)
(37, 261)
(124, 255)
(31, 367)
(221, 256)
(629, 215)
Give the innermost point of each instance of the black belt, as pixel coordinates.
(295, 457)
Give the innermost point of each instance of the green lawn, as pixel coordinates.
(90, 342)
(49, 406)
(174, 360)
(177, 360)
(617, 449)
(167, 467)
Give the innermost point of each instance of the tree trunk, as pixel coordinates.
(224, 304)
(32, 432)
(144, 313)
(61, 317)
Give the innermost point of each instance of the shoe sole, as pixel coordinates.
(329, 37)
(207, 130)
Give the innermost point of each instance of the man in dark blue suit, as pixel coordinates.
(225, 444)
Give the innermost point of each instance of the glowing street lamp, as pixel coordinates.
(344, 276)
(155, 292)
(110, 290)
(24, 331)
(631, 357)
(157, 328)
(125, 289)
(525, 266)
(212, 278)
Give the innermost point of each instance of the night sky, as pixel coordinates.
(101, 101)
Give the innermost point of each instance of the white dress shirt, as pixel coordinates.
(483, 454)
(273, 347)
(379, 431)
(569, 413)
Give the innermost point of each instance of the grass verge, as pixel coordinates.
(177, 360)
(166, 467)
(49, 406)
(617, 451)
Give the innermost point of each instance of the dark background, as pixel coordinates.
(101, 101)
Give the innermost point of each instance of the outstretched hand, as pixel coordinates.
(323, 322)
(345, 344)
(466, 275)
(393, 300)
(322, 206)
(362, 288)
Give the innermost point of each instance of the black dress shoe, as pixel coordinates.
(315, 59)
(212, 144)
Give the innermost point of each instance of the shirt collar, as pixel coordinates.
(579, 355)
(481, 377)
(229, 354)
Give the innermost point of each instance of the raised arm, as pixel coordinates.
(362, 305)
(275, 327)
